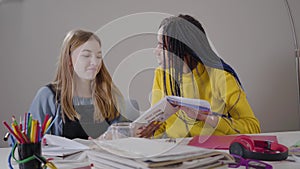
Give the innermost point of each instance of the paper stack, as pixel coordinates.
(129, 153)
(66, 153)
(142, 153)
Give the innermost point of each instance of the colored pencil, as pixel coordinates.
(21, 126)
(14, 120)
(47, 124)
(11, 131)
(17, 132)
(44, 122)
(33, 131)
(25, 122)
(29, 123)
(36, 139)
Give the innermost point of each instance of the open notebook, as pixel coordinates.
(167, 106)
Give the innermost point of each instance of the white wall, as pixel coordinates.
(253, 36)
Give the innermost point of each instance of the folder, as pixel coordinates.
(223, 142)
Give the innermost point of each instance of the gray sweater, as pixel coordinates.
(44, 103)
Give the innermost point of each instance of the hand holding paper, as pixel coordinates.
(195, 114)
(209, 117)
(148, 130)
(195, 108)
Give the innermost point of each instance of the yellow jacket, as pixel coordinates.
(224, 94)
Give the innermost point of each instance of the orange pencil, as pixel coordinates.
(25, 137)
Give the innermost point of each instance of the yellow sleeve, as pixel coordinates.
(157, 87)
(157, 95)
(243, 120)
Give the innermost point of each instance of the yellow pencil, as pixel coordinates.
(16, 132)
(47, 124)
(33, 131)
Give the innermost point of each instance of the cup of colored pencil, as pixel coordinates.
(27, 136)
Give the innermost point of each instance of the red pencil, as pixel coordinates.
(21, 127)
(25, 122)
(11, 131)
(37, 132)
(17, 129)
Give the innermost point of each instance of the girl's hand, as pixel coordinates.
(148, 130)
(195, 114)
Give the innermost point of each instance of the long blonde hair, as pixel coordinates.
(104, 91)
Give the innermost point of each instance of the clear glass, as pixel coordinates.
(122, 130)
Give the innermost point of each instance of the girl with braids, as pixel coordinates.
(190, 68)
(82, 98)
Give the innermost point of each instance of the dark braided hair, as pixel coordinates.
(182, 37)
(224, 65)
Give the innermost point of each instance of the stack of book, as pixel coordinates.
(129, 153)
(142, 153)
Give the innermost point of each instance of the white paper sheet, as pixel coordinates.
(145, 148)
(166, 107)
(143, 153)
(61, 147)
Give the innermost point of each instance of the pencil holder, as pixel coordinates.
(28, 150)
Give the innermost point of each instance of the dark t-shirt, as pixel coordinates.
(92, 128)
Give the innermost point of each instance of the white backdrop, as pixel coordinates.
(253, 36)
